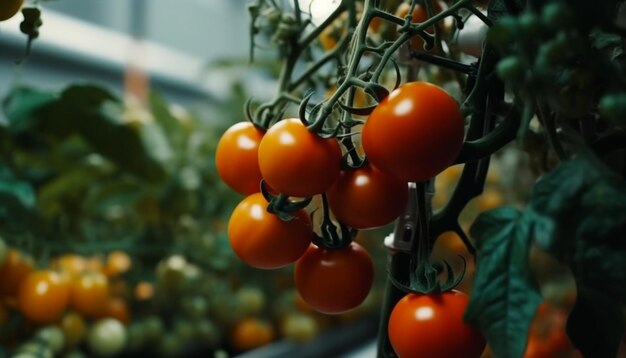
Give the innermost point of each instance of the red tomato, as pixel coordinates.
(432, 326)
(90, 293)
(365, 198)
(44, 296)
(414, 133)
(236, 158)
(297, 162)
(262, 240)
(419, 15)
(15, 268)
(334, 280)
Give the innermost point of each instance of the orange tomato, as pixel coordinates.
(90, 293)
(71, 264)
(117, 263)
(43, 296)
(250, 333)
(14, 270)
(144, 291)
(117, 308)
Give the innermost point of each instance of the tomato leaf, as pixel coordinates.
(21, 107)
(595, 324)
(579, 214)
(578, 211)
(505, 295)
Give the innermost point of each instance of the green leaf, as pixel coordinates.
(596, 324)
(505, 295)
(22, 107)
(578, 211)
(17, 201)
(170, 125)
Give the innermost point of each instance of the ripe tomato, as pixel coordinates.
(15, 268)
(262, 240)
(297, 162)
(366, 197)
(44, 296)
(8, 8)
(89, 294)
(72, 265)
(419, 15)
(414, 133)
(236, 158)
(250, 333)
(432, 326)
(117, 263)
(116, 307)
(334, 280)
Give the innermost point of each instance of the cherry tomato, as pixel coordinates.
(116, 307)
(44, 296)
(89, 294)
(74, 328)
(117, 263)
(432, 326)
(419, 15)
(250, 333)
(107, 337)
(414, 133)
(236, 158)
(8, 8)
(297, 162)
(334, 280)
(71, 264)
(262, 240)
(365, 198)
(15, 268)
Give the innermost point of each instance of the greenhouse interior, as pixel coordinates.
(313, 178)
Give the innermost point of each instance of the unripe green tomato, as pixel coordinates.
(299, 327)
(556, 15)
(53, 337)
(107, 337)
(183, 329)
(170, 346)
(206, 332)
(195, 306)
(504, 31)
(613, 107)
(530, 25)
(136, 335)
(510, 68)
(34, 349)
(252, 299)
(154, 328)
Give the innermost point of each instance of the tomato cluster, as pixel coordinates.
(412, 135)
(64, 300)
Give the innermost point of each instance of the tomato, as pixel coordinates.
(334, 280)
(414, 133)
(74, 328)
(297, 162)
(70, 264)
(43, 296)
(419, 15)
(250, 333)
(432, 326)
(364, 198)
(262, 240)
(236, 158)
(15, 268)
(8, 8)
(116, 307)
(117, 263)
(89, 294)
(107, 337)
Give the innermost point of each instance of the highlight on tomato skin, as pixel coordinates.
(415, 132)
(236, 158)
(365, 197)
(432, 326)
(296, 161)
(262, 240)
(334, 281)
